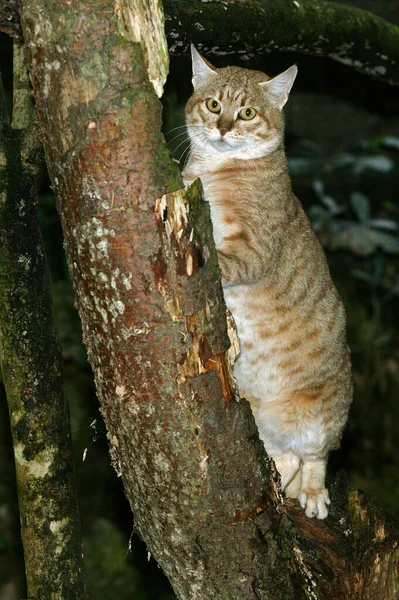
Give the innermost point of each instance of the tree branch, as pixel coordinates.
(349, 35)
(148, 288)
(31, 364)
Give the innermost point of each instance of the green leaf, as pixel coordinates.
(361, 206)
(385, 241)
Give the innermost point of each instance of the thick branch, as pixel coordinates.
(148, 288)
(351, 36)
(31, 364)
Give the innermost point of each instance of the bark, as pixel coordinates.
(31, 364)
(143, 264)
(250, 28)
(9, 18)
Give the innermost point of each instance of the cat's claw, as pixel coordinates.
(314, 502)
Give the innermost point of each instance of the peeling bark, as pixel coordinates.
(137, 24)
(205, 498)
(31, 364)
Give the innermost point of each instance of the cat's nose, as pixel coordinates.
(224, 125)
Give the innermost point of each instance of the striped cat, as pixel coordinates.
(294, 366)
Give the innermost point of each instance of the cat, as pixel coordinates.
(294, 366)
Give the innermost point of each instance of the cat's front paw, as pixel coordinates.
(315, 502)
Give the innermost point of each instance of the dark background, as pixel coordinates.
(343, 144)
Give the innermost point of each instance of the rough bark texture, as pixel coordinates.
(9, 18)
(354, 37)
(353, 554)
(149, 294)
(142, 259)
(31, 363)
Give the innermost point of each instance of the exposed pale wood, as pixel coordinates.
(142, 21)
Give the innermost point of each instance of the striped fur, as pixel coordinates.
(294, 365)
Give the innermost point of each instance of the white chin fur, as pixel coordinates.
(222, 148)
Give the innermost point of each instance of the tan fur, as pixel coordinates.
(294, 365)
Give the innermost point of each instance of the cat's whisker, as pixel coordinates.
(185, 131)
(180, 134)
(182, 127)
(196, 140)
(175, 128)
(187, 150)
(198, 136)
(200, 142)
(185, 153)
(181, 143)
(177, 136)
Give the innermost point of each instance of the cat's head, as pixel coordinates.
(236, 112)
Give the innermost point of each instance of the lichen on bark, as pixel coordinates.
(250, 28)
(31, 365)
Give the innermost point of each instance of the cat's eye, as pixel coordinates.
(213, 105)
(247, 114)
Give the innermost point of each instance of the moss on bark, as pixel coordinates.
(31, 364)
(249, 28)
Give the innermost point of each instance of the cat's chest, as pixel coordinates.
(220, 196)
(223, 190)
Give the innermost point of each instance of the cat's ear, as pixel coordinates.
(202, 69)
(280, 86)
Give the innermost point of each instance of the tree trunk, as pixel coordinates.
(250, 28)
(31, 364)
(144, 268)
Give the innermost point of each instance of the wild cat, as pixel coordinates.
(294, 366)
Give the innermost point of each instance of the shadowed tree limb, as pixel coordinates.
(349, 35)
(31, 364)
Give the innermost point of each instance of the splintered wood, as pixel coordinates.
(193, 272)
(136, 17)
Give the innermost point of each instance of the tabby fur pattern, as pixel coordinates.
(294, 365)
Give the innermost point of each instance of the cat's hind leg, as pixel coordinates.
(313, 495)
(288, 465)
(294, 486)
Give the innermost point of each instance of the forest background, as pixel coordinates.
(343, 144)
